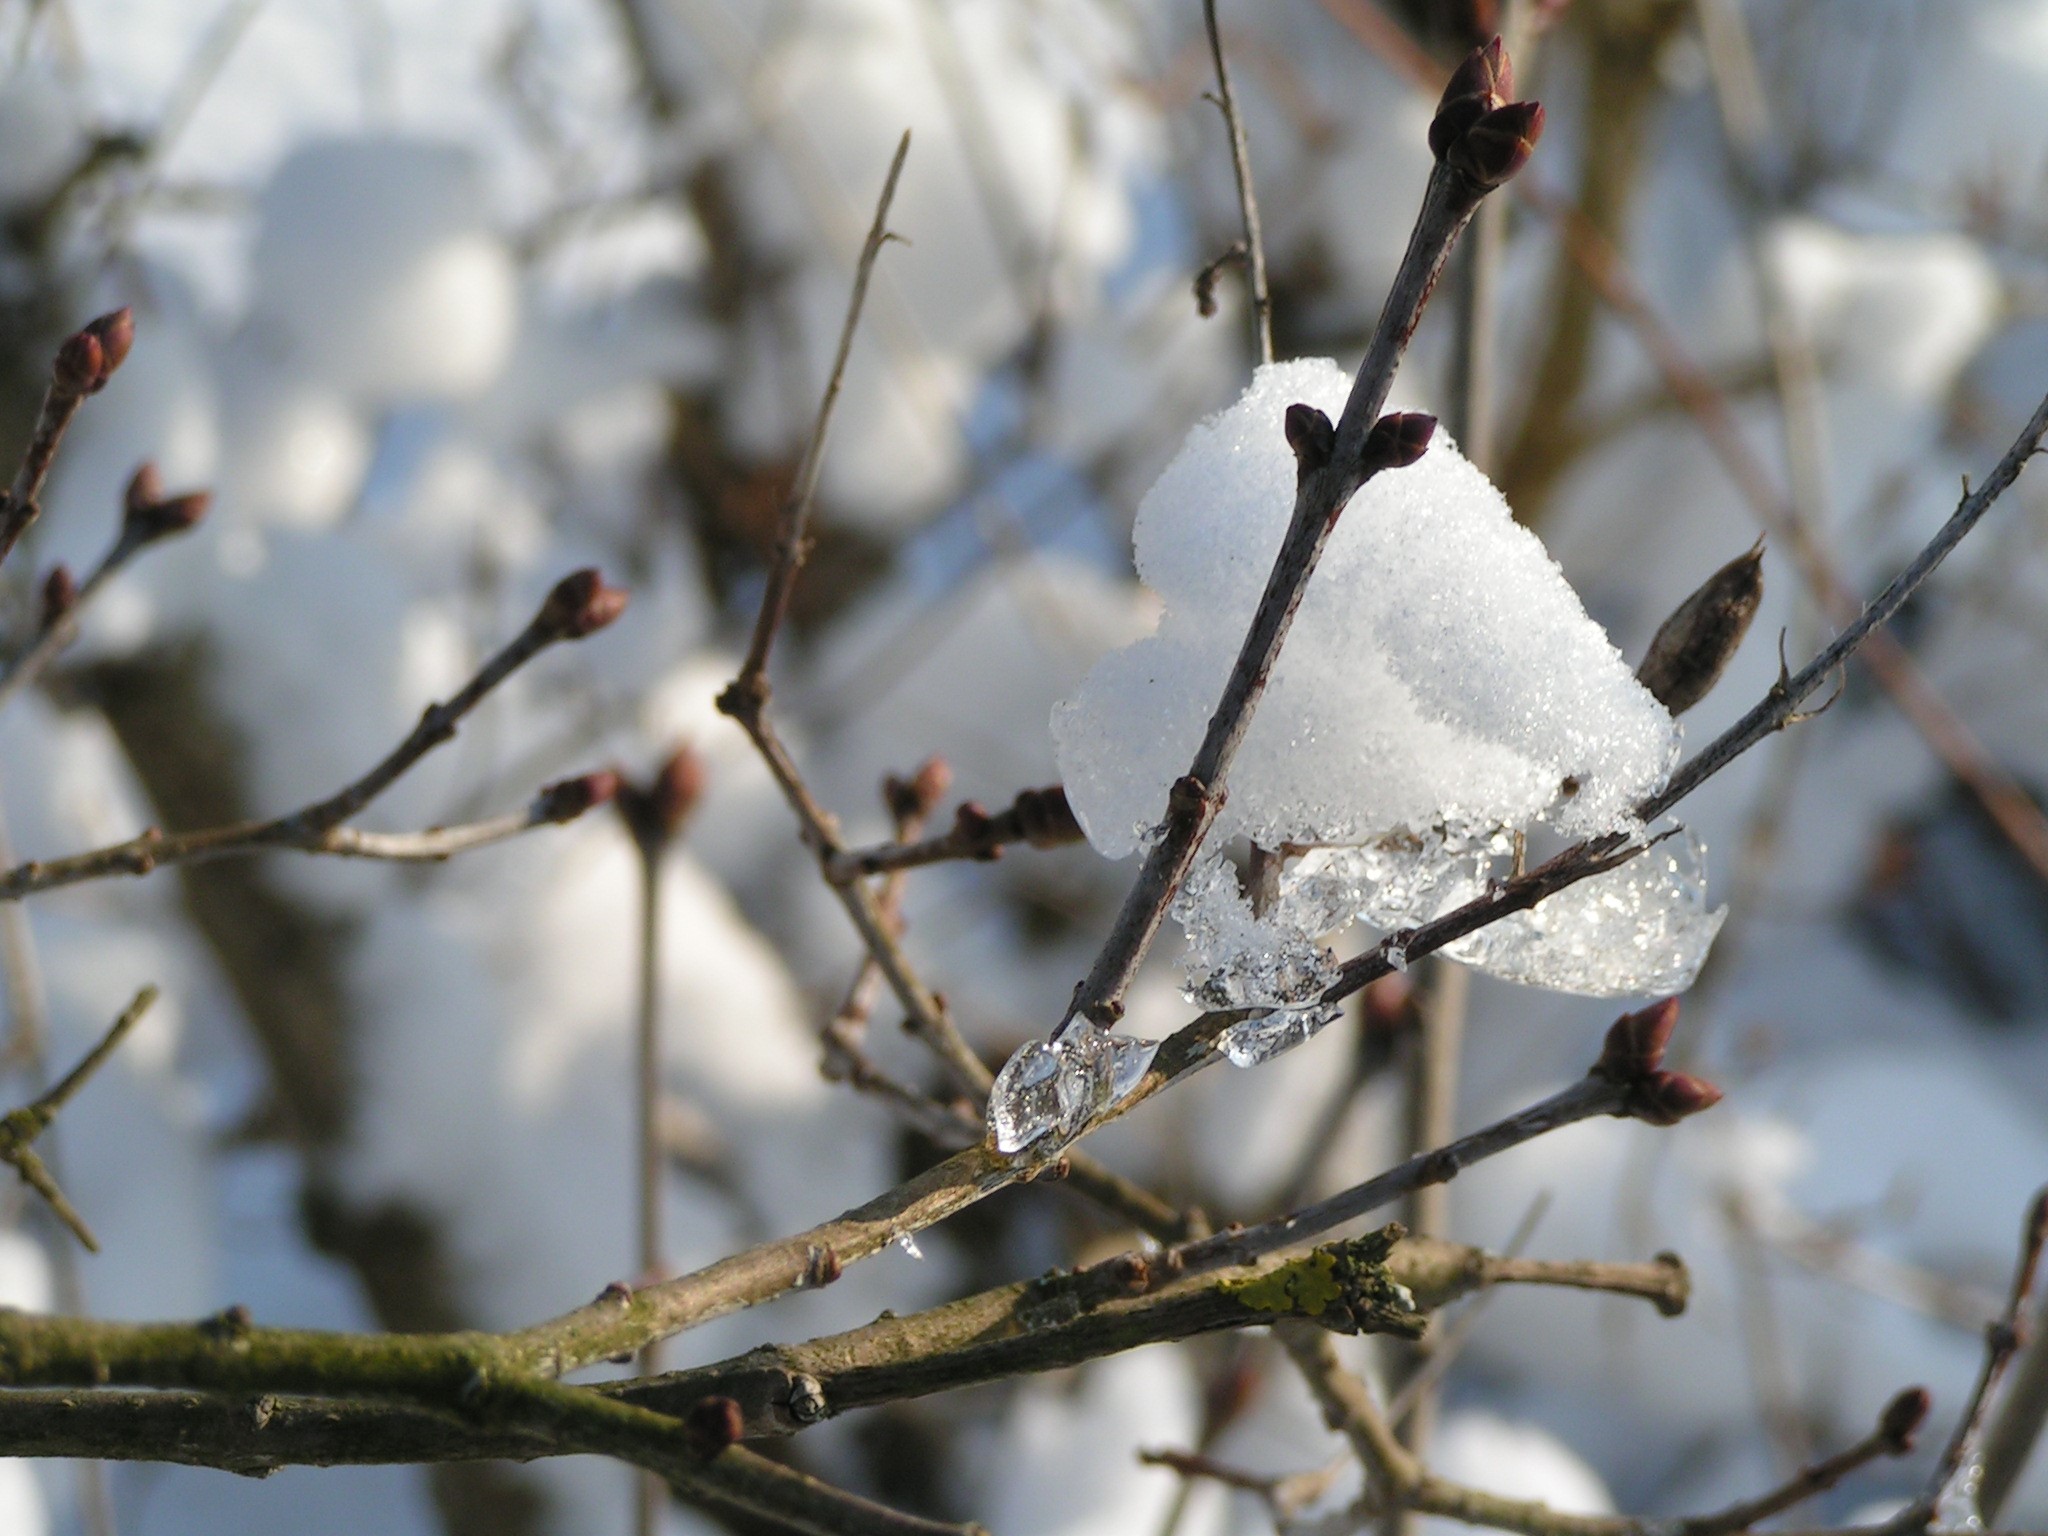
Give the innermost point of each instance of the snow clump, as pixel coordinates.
(1442, 689)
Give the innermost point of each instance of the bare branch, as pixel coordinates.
(1247, 199)
(20, 1128)
(1040, 817)
(580, 605)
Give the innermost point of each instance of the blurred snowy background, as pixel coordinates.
(445, 299)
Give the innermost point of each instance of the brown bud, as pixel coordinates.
(580, 604)
(1665, 1098)
(1311, 436)
(148, 514)
(1490, 152)
(1902, 1419)
(1485, 73)
(1046, 818)
(145, 488)
(1389, 1007)
(917, 797)
(79, 365)
(1398, 440)
(1635, 1042)
(711, 1424)
(678, 786)
(88, 357)
(976, 828)
(1484, 80)
(1693, 647)
(60, 596)
(570, 798)
(115, 332)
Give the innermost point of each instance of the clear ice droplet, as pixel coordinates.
(1024, 1104)
(1252, 1041)
(1055, 1088)
(909, 1245)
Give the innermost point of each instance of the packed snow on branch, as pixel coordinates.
(1442, 697)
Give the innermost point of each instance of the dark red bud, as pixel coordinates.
(1499, 144)
(1311, 436)
(1482, 73)
(145, 489)
(1389, 1004)
(79, 364)
(1902, 1419)
(148, 518)
(581, 604)
(570, 798)
(711, 1424)
(115, 332)
(915, 799)
(60, 596)
(1398, 440)
(678, 786)
(1665, 1098)
(1636, 1041)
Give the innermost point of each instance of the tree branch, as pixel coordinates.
(20, 1128)
(1247, 199)
(1480, 143)
(580, 605)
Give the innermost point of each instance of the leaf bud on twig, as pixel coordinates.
(1693, 647)
(569, 798)
(917, 797)
(1398, 440)
(1665, 1098)
(1902, 1419)
(1485, 79)
(60, 596)
(1311, 436)
(88, 357)
(148, 514)
(580, 604)
(1492, 150)
(656, 811)
(1635, 1042)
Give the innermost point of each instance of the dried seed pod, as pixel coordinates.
(1693, 647)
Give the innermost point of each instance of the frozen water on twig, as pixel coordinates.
(1253, 1041)
(1643, 928)
(1054, 1088)
(1237, 959)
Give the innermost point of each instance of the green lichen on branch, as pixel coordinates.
(1345, 1287)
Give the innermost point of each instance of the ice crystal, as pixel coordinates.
(1252, 1041)
(1640, 929)
(1054, 1088)
(1239, 959)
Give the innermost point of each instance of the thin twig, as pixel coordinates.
(2001, 1342)
(1040, 817)
(578, 606)
(1397, 1480)
(745, 699)
(1247, 198)
(20, 1128)
(793, 532)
